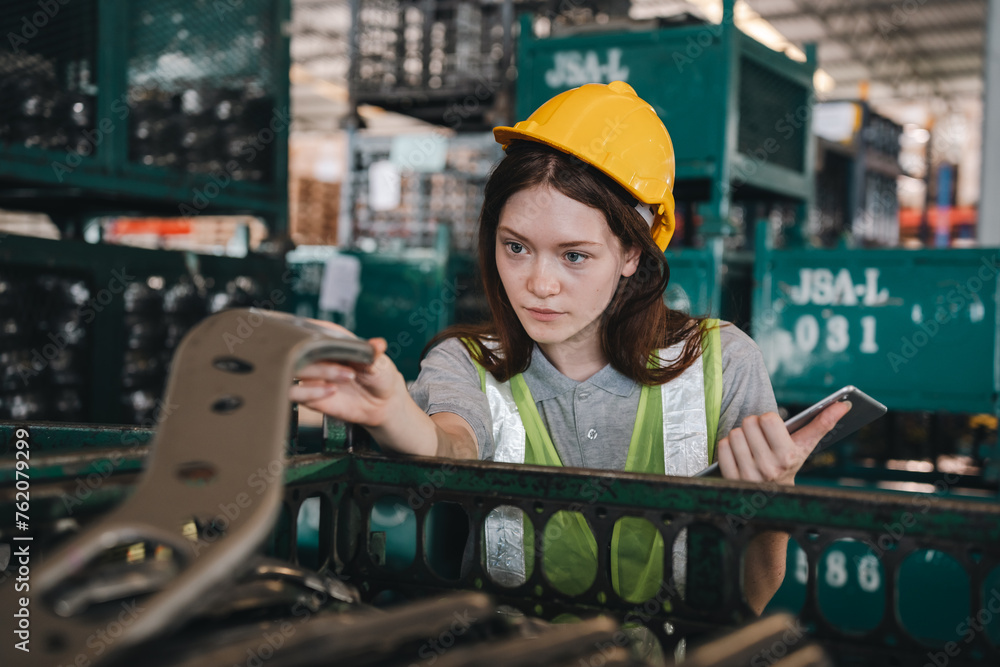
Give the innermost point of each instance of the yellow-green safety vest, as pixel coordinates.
(682, 416)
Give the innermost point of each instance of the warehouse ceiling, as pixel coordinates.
(894, 52)
(904, 49)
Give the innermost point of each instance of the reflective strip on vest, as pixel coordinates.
(504, 530)
(685, 452)
(685, 429)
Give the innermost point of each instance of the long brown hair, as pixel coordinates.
(636, 322)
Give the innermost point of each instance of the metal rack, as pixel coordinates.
(866, 606)
(856, 183)
(89, 330)
(441, 61)
(175, 108)
(739, 116)
(418, 257)
(917, 329)
(441, 182)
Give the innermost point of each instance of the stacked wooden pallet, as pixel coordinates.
(314, 210)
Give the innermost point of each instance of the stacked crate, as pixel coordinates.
(174, 108)
(87, 332)
(856, 191)
(442, 61)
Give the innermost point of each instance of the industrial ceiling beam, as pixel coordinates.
(871, 6)
(949, 76)
(970, 52)
(867, 60)
(958, 27)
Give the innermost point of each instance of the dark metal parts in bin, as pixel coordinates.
(448, 64)
(199, 78)
(178, 107)
(44, 345)
(48, 95)
(201, 131)
(454, 630)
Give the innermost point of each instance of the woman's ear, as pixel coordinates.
(632, 255)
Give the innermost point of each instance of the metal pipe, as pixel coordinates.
(988, 229)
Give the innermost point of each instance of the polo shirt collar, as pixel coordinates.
(547, 382)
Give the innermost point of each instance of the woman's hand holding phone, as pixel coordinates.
(861, 409)
(762, 450)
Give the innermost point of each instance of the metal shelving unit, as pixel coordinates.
(88, 331)
(856, 181)
(173, 108)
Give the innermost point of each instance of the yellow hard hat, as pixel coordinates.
(613, 129)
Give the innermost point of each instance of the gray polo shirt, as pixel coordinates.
(590, 422)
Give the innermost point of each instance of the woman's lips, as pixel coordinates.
(543, 315)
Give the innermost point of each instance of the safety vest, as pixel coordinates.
(682, 416)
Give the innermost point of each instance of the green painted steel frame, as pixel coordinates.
(954, 369)
(816, 518)
(100, 266)
(350, 484)
(114, 185)
(720, 51)
(921, 363)
(696, 273)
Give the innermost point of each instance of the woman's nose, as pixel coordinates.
(542, 280)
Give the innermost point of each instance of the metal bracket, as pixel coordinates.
(217, 460)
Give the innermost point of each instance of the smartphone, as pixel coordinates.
(864, 410)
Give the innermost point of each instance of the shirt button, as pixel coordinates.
(584, 396)
(592, 434)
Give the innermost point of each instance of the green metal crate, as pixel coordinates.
(178, 107)
(111, 276)
(916, 329)
(406, 297)
(692, 287)
(738, 113)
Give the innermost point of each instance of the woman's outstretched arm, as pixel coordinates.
(375, 397)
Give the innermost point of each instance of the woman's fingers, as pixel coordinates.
(337, 372)
(767, 462)
(304, 393)
(727, 464)
(360, 393)
(810, 434)
(327, 371)
(743, 456)
(761, 448)
(789, 455)
(379, 344)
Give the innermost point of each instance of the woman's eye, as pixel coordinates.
(575, 257)
(515, 248)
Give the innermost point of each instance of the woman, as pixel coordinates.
(581, 363)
